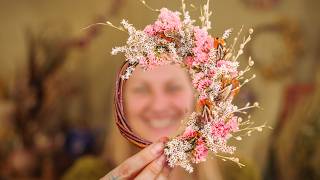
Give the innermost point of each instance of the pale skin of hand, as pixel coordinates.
(149, 163)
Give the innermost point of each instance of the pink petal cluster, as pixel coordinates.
(200, 151)
(167, 21)
(189, 133)
(188, 61)
(233, 123)
(202, 81)
(222, 129)
(203, 43)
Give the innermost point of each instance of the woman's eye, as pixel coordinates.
(140, 90)
(174, 88)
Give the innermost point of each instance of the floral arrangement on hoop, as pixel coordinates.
(213, 67)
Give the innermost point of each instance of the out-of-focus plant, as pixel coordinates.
(41, 99)
(297, 150)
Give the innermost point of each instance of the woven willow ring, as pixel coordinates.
(120, 118)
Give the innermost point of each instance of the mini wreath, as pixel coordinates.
(293, 49)
(213, 67)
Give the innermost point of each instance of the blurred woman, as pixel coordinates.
(155, 102)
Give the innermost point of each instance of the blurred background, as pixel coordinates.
(56, 81)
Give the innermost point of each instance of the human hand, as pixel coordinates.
(149, 163)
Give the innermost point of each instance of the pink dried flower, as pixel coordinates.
(200, 151)
(200, 36)
(220, 129)
(223, 129)
(188, 61)
(200, 57)
(202, 81)
(149, 30)
(189, 133)
(202, 39)
(203, 44)
(233, 124)
(197, 77)
(167, 21)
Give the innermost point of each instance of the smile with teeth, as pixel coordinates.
(160, 123)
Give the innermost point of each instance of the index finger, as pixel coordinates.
(140, 160)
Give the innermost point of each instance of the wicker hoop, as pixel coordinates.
(120, 118)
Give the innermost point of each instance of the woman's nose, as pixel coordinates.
(159, 101)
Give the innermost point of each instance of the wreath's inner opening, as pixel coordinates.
(156, 101)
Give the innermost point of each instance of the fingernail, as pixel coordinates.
(158, 148)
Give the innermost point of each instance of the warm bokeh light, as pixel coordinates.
(57, 83)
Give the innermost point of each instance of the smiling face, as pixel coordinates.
(155, 101)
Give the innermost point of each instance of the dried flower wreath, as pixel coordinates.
(213, 67)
